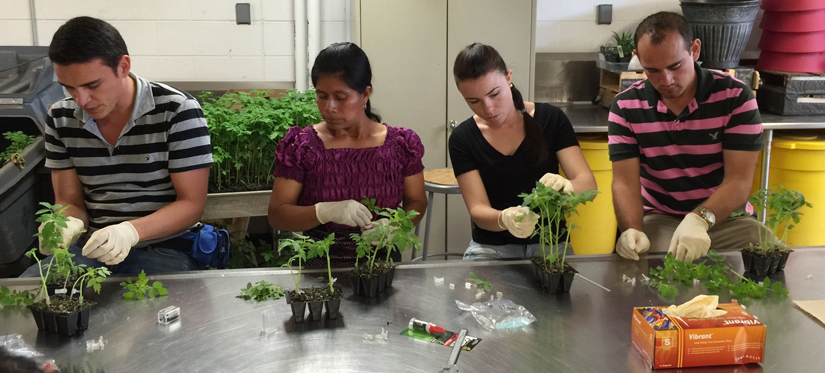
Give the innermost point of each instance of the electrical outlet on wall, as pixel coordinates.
(242, 14)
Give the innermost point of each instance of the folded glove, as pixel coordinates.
(520, 228)
(348, 212)
(111, 245)
(70, 234)
(383, 222)
(690, 240)
(632, 243)
(700, 307)
(556, 182)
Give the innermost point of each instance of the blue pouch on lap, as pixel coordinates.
(209, 246)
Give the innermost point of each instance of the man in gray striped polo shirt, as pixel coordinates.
(684, 145)
(131, 157)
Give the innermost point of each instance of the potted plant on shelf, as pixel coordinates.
(373, 275)
(554, 207)
(62, 313)
(330, 297)
(770, 254)
(624, 45)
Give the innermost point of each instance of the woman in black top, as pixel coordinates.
(502, 151)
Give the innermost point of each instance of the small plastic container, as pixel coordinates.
(169, 315)
(269, 317)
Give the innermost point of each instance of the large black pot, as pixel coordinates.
(723, 26)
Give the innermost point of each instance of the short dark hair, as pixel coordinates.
(475, 61)
(658, 25)
(348, 62)
(85, 39)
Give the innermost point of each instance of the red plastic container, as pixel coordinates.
(792, 42)
(791, 62)
(792, 5)
(805, 21)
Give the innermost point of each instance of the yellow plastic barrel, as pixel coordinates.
(798, 163)
(595, 231)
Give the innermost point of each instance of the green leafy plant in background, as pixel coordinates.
(397, 235)
(625, 45)
(783, 207)
(261, 291)
(15, 297)
(140, 288)
(715, 275)
(554, 208)
(482, 283)
(246, 254)
(19, 141)
(245, 129)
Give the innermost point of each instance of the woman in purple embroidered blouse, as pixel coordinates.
(322, 171)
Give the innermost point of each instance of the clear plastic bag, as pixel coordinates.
(21, 356)
(498, 314)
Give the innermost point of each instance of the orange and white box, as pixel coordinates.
(675, 342)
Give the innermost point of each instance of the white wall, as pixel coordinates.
(570, 25)
(198, 40)
(186, 40)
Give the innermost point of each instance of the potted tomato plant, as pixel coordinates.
(317, 298)
(770, 254)
(554, 207)
(62, 314)
(393, 232)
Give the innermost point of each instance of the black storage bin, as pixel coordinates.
(28, 87)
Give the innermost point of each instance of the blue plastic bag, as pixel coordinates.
(209, 246)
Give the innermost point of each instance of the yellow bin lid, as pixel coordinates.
(801, 140)
(595, 141)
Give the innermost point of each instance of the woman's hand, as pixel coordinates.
(347, 212)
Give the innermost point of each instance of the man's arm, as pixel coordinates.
(68, 191)
(191, 187)
(736, 186)
(627, 194)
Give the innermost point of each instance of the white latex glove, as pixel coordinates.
(383, 221)
(111, 245)
(690, 240)
(632, 243)
(348, 212)
(556, 182)
(70, 234)
(700, 307)
(519, 228)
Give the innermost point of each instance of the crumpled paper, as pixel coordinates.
(700, 307)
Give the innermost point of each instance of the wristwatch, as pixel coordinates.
(706, 214)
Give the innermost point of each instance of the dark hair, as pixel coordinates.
(658, 25)
(476, 60)
(348, 62)
(85, 39)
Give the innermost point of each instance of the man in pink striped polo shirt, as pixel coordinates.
(684, 145)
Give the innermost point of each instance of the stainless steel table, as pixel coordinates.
(586, 330)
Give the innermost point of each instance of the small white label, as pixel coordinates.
(60, 291)
(812, 99)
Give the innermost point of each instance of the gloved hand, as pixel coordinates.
(70, 234)
(700, 307)
(383, 221)
(690, 240)
(556, 182)
(111, 245)
(348, 212)
(520, 228)
(632, 243)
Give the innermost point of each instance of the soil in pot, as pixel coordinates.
(552, 277)
(316, 298)
(62, 315)
(372, 280)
